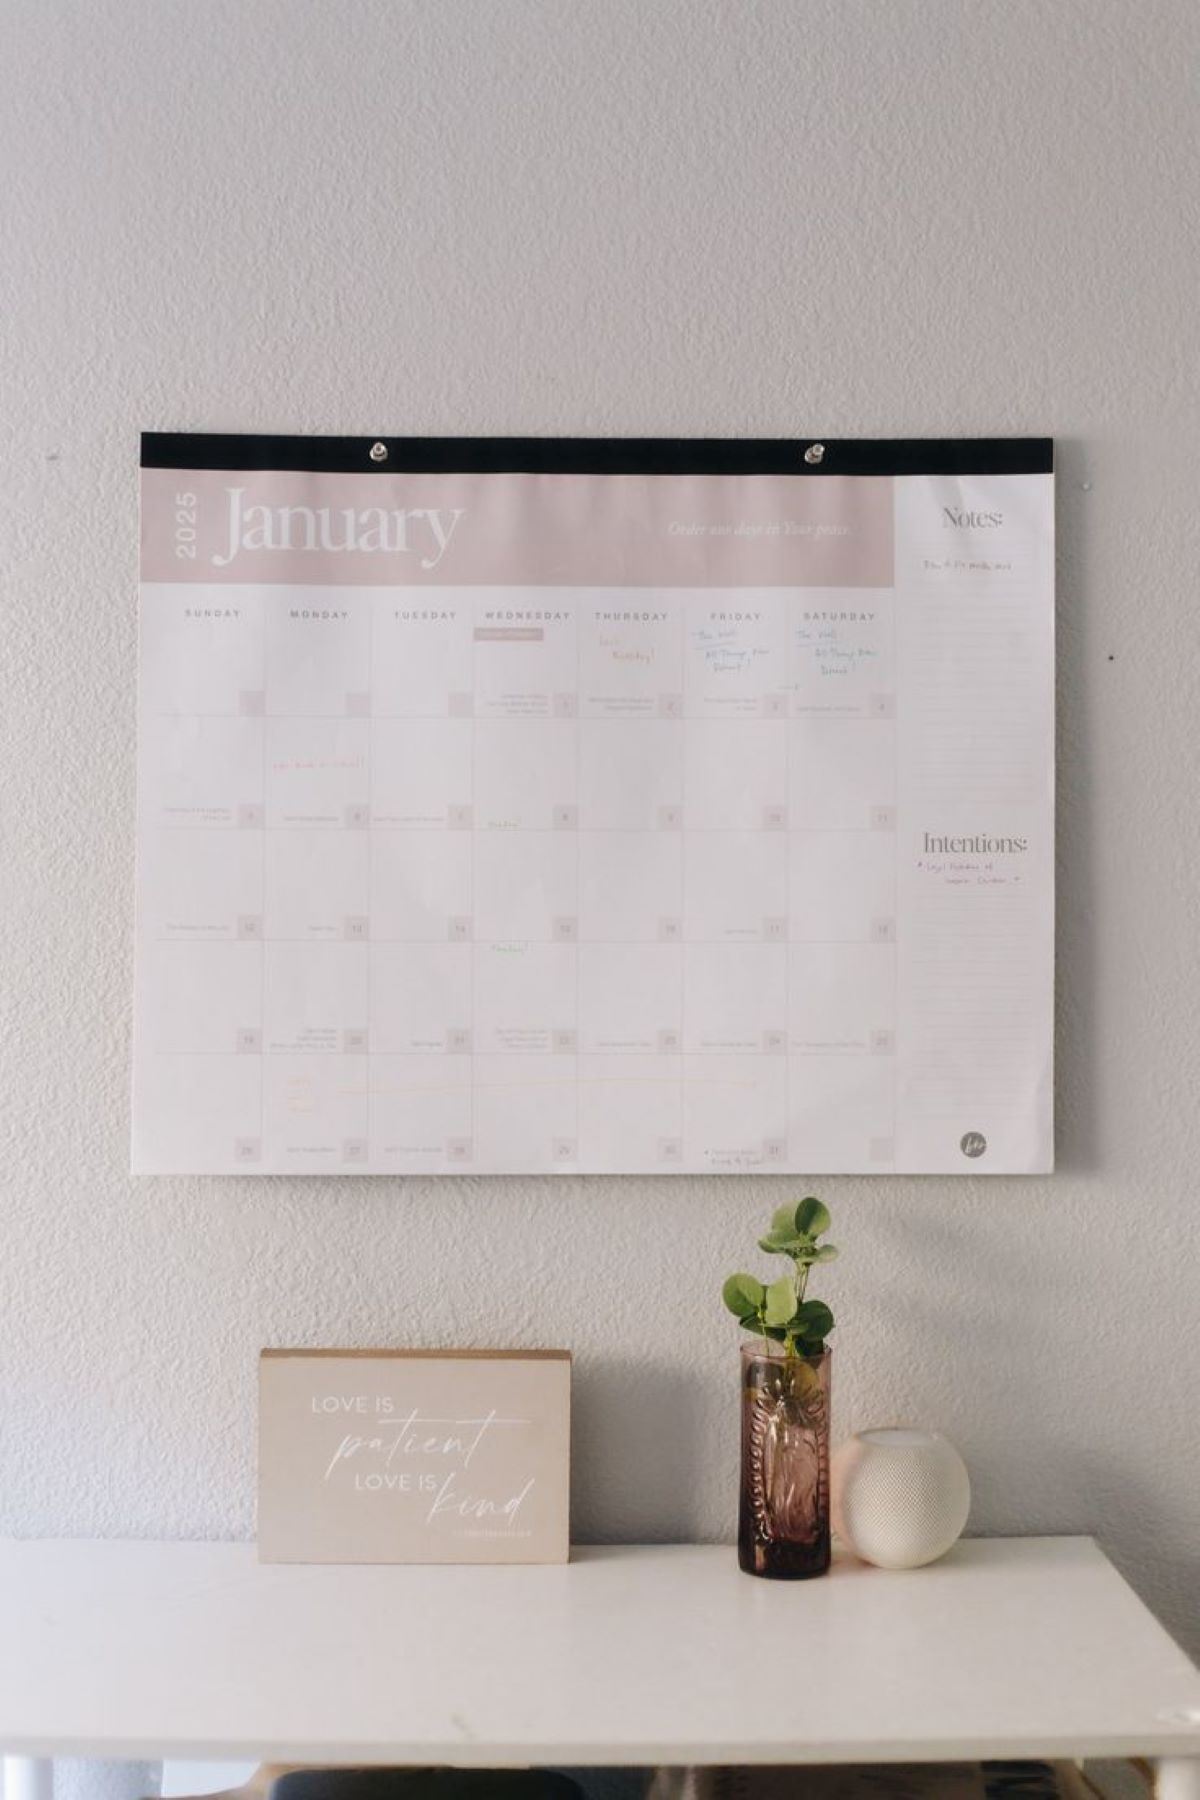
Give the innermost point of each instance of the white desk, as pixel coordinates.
(654, 1654)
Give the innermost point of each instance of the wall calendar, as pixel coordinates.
(566, 805)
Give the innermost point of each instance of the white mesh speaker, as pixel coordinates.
(900, 1496)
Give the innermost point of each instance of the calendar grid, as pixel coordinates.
(592, 874)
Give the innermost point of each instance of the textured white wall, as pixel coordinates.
(848, 217)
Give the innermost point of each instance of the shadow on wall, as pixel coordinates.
(1077, 1023)
(988, 1313)
(641, 1424)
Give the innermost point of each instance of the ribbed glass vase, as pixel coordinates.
(783, 1518)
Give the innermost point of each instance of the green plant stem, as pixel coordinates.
(802, 1270)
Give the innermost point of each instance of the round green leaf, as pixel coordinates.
(783, 1221)
(781, 1301)
(825, 1252)
(813, 1319)
(743, 1294)
(812, 1217)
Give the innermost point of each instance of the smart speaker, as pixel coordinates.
(900, 1496)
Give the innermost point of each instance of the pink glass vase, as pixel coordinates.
(783, 1519)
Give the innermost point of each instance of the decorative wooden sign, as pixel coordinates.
(414, 1456)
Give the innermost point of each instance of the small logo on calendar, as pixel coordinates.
(973, 1143)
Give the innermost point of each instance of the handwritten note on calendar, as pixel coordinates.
(585, 807)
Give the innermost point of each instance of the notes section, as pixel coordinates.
(974, 579)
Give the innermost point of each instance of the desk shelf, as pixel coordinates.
(644, 1654)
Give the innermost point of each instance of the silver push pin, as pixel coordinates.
(378, 453)
(814, 454)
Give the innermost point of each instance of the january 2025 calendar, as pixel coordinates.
(594, 806)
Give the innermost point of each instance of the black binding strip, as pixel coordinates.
(601, 456)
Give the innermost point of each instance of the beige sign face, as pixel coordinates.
(396, 1456)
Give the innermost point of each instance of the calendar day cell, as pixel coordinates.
(316, 887)
(630, 999)
(197, 1112)
(420, 773)
(315, 1114)
(198, 886)
(421, 998)
(200, 650)
(841, 999)
(199, 998)
(318, 651)
(421, 886)
(735, 997)
(843, 1110)
(317, 774)
(630, 886)
(525, 775)
(199, 774)
(421, 1112)
(630, 653)
(841, 773)
(314, 998)
(526, 1113)
(526, 885)
(630, 1113)
(842, 886)
(735, 775)
(734, 657)
(524, 654)
(630, 775)
(735, 886)
(841, 659)
(421, 653)
(734, 1111)
(524, 996)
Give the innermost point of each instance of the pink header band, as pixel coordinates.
(521, 530)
